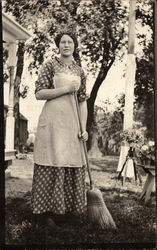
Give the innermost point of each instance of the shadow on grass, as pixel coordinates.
(104, 165)
(135, 222)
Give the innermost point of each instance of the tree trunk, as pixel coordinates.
(19, 71)
(90, 103)
(94, 150)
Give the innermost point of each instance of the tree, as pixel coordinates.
(103, 28)
(145, 82)
(109, 125)
(121, 104)
(145, 101)
(19, 70)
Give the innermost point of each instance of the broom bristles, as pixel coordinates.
(97, 211)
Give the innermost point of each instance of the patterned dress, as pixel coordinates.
(59, 170)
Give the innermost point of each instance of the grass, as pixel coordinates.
(134, 219)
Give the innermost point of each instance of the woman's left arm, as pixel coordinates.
(83, 114)
(82, 98)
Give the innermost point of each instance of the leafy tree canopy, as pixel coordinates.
(99, 25)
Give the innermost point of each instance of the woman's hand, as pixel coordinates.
(83, 136)
(73, 87)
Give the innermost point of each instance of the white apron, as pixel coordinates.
(57, 143)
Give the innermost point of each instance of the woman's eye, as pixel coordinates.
(69, 42)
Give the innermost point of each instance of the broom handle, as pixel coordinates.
(84, 143)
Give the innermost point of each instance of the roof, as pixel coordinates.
(12, 30)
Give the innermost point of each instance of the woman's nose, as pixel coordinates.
(66, 44)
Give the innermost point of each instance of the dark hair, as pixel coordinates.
(69, 33)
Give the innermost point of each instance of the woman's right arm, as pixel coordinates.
(48, 94)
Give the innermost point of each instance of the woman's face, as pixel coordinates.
(66, 46)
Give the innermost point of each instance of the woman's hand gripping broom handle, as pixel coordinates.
(84, 143)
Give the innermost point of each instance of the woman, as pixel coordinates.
(59, 171)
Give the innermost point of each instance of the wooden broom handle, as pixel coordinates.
(84, 143)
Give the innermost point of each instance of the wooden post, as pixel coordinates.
(130, 81)
(10, 120)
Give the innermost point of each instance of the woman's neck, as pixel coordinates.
(66, 60)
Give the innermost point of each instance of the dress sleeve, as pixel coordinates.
(45, 77)
(81, 94)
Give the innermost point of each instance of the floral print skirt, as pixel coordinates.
(58, 190)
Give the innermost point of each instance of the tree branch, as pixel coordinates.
(71, 6)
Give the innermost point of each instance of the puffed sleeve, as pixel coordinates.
(45, 77)
(81, 94)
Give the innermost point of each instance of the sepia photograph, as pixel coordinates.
(79, 123)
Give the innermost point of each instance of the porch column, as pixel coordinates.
(10, 120)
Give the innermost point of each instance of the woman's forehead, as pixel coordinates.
(66, 37)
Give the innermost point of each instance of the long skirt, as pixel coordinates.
(58, 190)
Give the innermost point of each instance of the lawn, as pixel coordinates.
(135, 220)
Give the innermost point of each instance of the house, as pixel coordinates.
(12, 33)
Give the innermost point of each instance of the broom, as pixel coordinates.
(97, 211)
